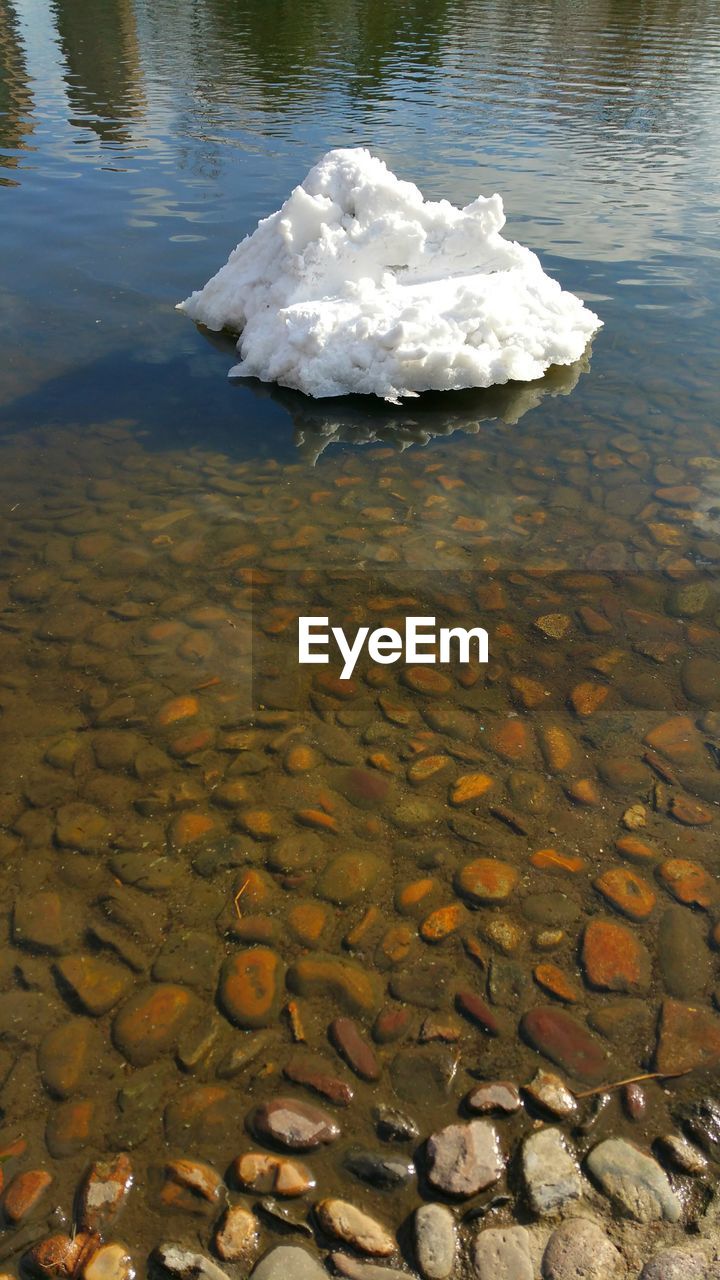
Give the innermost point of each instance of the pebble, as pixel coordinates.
(66, 1054)
(565, 1042)
(488, 881)
(435, 1237)
(293, 1124)
(250, 987)
(189, 1182)
(683, 956)
(23, 1195)
(688, 1038)
(103, 1193)
(680, 1263)
(634, 1181)
(314, 1073)
(184, 1263)
(627, 892)
(342, 981)
(464, 1158)
(44, 922)
(151, 1021)
(499, 1097)
(393, 1125)
(344, 1221)
(277, 1175)
(580, 1250)
(378, 1169)
(681, 1154)
(502, 1253)
(687, 881)
(109, 1262)
(345, 1035)
(478, 1011)
(614, 959)
(552, 1177)
(289, 1262)
(236, 1236)
(345, 1264)
(96, 984)
(550, 1093)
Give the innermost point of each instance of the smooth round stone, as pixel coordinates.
(680, 1263)
(565, 1042)
(550, 909)
(344, 982)
(435, 1241)
(345, 1035)
(365, 788)
(151, 1021)
(683, 954)
(237, 1234)
(109, 1262)
(427, 985)
(96, 984)
(45, 921)
(502, 1253)
(66, 1054)
(627, 891)
(250, 987)
(634, 1181)
(346, 1222)
(701, 681)
(580, 1250)
(497, 1096)
(296, 1125)
(487, 880)
(464, 1158)
(289, 1262)
(349, 877)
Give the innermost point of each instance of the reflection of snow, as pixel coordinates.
(357, 420)
(358, 284)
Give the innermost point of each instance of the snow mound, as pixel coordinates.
(358, 284)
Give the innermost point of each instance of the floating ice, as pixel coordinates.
(358, 284)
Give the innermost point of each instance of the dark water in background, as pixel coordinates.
(163, 528)
(140, 142)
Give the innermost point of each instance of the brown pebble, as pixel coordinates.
(352, 1046)
(634, 1101)
(24, 1193)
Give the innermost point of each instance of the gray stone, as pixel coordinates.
(435, 1241)
(580, 1250)
(681, 1154)
(683, 954)
(680, 1264)
(464, 1158)
(502, 1253)
(552, 1177)
(635, 1183)
(345, 1265)
(286, 1261)
(182, 1262)
(499, 1095)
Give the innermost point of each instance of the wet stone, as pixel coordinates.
(71, 1127)
(354, 1048)
(435, 1237)
(250, 987)
(285, 1261)
(552, 1177)
(628, 892)
(81, 827)
(343, 981)
(488, 881)
(502, 1253)
(272, 1175)
(497, 1097)
(314, 1073)
(551, 1094)
(345, 1222)
(109, 1262)
(22, 1196)
(426, 985)
(66, 1055)
(702, 1120)
(463, 1159)
(378, 1169)
(190, 1186)
(394, 1126)
(236, 1237)
(44, 922)
(182, 1262)
(580, 1250)
(423, 1076)
(614, 959)
(681, 1154)
(634, 1181)
(97, 985)
(189, 957)
(103, 1193)
(150, 1022)
(478, 1011)
(687, 881)
(565, 1042)
(688, 1038)
(683, 954)
(293, 1124)
(349, 877)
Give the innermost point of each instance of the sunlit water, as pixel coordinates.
(164, 528)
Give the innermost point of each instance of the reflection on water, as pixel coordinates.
(16, 101)
(102, 57)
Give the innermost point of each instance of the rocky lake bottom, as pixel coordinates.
(414, 973)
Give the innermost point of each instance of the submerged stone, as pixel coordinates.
(565, 1042)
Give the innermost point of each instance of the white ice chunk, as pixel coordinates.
(358, 284)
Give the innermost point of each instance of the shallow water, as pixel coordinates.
(163, 529)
